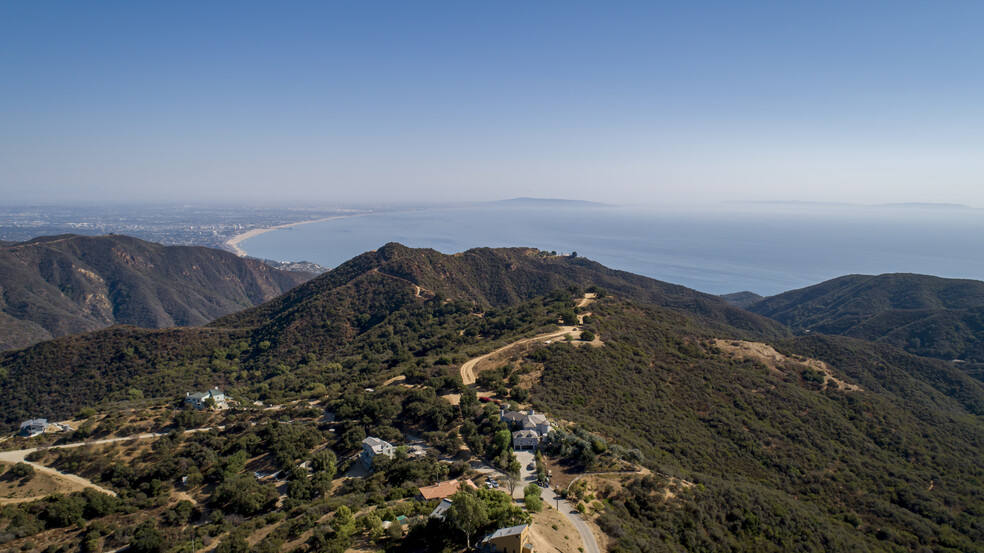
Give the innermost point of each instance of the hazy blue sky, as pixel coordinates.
(633, 102)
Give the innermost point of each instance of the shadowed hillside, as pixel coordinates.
(58, 285)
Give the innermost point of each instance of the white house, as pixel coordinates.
(197, 400)
(33, 427)
(530, 425)
(523, 439)
(371, 447)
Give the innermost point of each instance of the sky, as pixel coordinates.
(626, 102)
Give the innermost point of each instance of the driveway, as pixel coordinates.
(525, 457)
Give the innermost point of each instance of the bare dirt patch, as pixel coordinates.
(17, 490)
(552, 532)
(782, 364)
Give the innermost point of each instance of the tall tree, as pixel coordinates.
(467, 514)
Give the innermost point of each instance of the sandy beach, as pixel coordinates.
(233, 243)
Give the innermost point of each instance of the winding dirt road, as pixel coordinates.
(20, 456)
(468, 373)
(468, 368)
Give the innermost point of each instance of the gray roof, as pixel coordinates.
(511, 531)
(525, 434)
(34, 422)
(442, 508)
(513, 416)
(203, 395)
(376, 444)
(537, 419)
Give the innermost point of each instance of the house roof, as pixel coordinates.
(203, 395)
(34, 422)
(442, 508)
(525, 434)
(375, 444)
(511, 531)
(537, 419)
(444, 489)
(513, 416)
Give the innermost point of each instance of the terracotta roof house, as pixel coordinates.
(444, 489)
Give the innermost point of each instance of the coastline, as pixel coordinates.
(232, 244)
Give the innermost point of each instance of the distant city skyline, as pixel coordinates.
(628, 103)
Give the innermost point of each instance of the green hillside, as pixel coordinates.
(58, 285)
(925, 315)
(358, 322)
(778, 462)
(749, 438)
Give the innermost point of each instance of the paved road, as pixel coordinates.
(526, 457)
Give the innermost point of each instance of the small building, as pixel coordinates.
(441, 510)
(33, 427)
(514, 539)
(198, 400)
(525, 439)
(371, 447)
(444, 489)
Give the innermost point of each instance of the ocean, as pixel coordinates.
(764, 249)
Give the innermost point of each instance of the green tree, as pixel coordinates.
(513, 476)
(147, 539)
(244, 495)
(467, 514)
(325, 461)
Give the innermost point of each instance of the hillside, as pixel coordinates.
(375, 312)
(741, 436)
(878, 455)
(925, 315)
(58, 285)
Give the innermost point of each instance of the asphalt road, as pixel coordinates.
(526, 457)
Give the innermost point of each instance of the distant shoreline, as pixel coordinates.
(233, 243)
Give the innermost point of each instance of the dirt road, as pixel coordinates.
(468, 368)
(20, 456)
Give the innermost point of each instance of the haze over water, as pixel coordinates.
(766, 249)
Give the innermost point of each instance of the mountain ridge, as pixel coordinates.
(926, 315)
(57, 285)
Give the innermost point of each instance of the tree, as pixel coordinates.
(147, 539)
(244, 495)
(22, 470)
(513, 475)
(325, 461)
(373, 526)
(467, 514)
(531, 496)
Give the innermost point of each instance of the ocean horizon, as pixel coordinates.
(762, 248)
